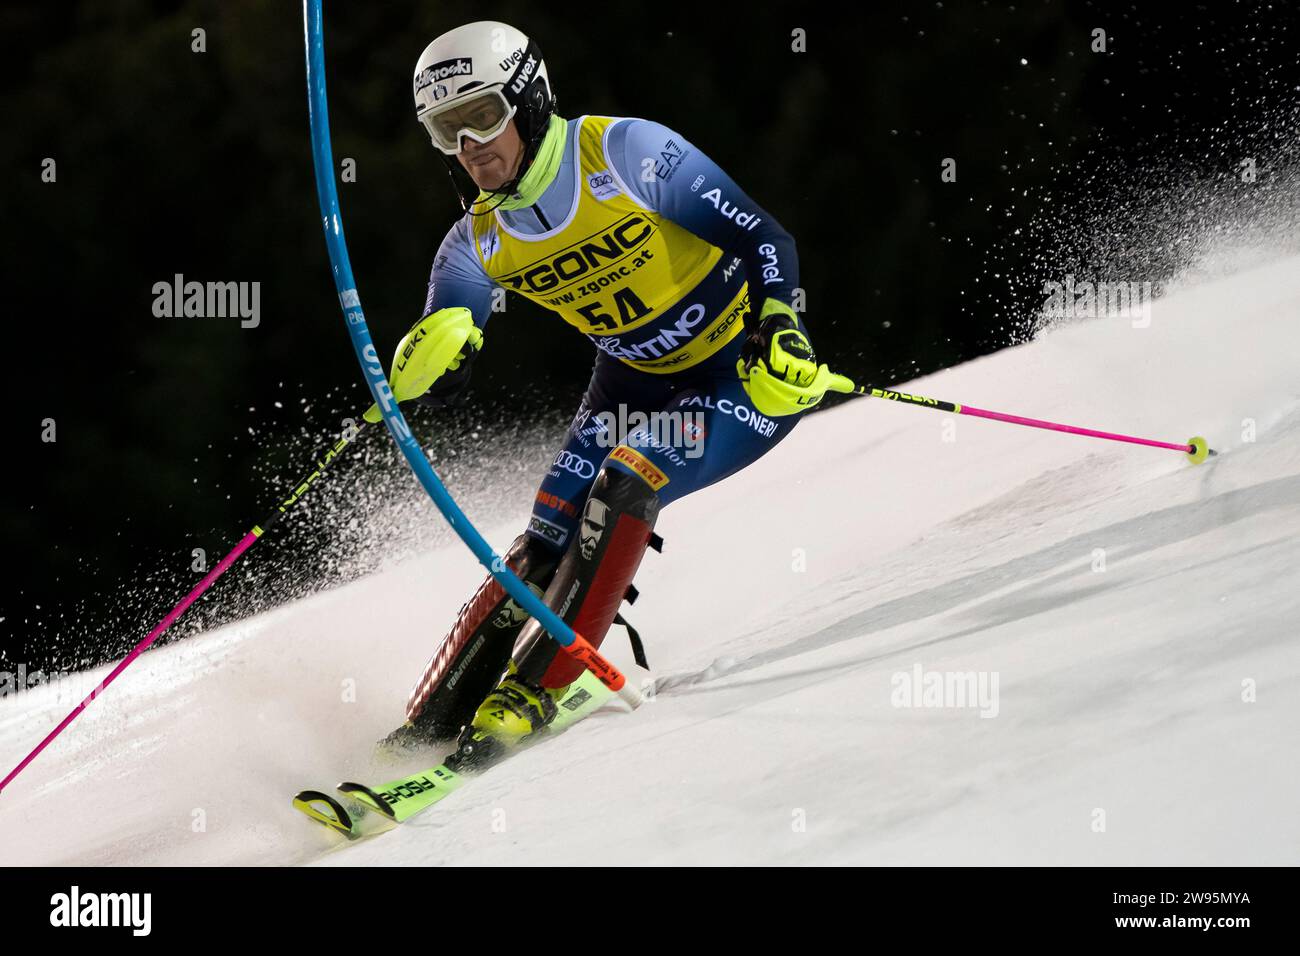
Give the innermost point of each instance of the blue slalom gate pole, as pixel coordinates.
(373, 370)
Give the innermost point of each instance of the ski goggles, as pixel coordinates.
(481, 116)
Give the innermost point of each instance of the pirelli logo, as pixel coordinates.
(648, 473)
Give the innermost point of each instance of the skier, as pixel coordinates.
(684, 284)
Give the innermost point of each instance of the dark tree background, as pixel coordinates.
(172, 161)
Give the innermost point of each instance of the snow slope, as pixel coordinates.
(1125, 600)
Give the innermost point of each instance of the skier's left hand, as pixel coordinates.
(778, 365)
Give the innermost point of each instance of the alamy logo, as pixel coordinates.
(13, 682)
(1084, 299)
(956, 689)
(209, 300)
(75, 908)
(660, 430)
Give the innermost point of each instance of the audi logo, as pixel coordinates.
(575, 465)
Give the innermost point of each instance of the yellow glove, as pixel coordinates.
(441, 345)
(778, 366)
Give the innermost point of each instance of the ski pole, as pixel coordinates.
(246, 542)
(1196, 447)
(570, 641)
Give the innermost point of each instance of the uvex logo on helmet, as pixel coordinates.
(525, 74)
(460, 66)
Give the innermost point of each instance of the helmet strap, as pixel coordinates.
(461, 181)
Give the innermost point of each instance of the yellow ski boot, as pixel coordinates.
(507, 717)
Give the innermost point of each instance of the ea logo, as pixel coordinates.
(575, 465)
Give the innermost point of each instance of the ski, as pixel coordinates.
(362, 811)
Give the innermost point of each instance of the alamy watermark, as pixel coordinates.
(209, 300)
(15, 682)
(65, 688)
(659, 430)
(1084, 299)
(133, 911)
(954, 689)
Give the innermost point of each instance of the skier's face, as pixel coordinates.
(492, 164)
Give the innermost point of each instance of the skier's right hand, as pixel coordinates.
(440, 349)
(448, 391)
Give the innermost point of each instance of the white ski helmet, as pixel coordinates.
(473, 80)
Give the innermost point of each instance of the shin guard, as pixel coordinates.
(593, 577)
(473, 655)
